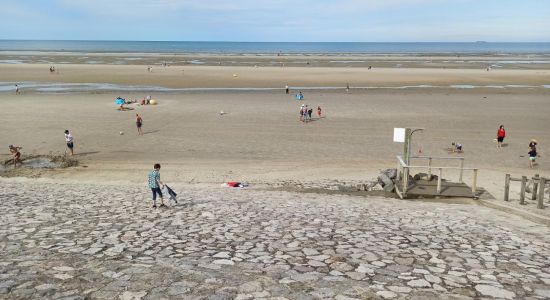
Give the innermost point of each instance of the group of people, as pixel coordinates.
(306, 112)
(501, 134)
(15, 151)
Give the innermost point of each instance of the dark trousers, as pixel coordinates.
(155, 192)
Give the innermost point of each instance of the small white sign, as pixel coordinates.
(399, 135)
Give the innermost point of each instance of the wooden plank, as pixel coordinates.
(522, 192)
(507, 187)
(448, 189)
(542, 183)
(535, 187)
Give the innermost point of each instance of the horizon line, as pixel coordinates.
(305, 42)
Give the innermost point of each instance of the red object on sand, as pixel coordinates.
(233, 184)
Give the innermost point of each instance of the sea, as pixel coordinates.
(270, 48)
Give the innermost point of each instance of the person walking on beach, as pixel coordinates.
(319, 111)
(155, 184)
(532, 153)
(501, 134)
(17, 91)
(139, 122)
(287, 90)
(347, 88)
(69, 140)
(309, 112)
(16, 155)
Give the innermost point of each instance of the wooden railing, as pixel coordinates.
(403, 170)
(537, 193)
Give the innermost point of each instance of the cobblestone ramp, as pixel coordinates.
(64, 241)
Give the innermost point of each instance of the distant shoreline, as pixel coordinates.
(281, 48)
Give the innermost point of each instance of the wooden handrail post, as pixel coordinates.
(398, 172)
(439, 181)
(506, 187)
(461, 170)
(522, 192)
(542, 183)
(535, 187)
(474, 184)
(430, 168)
(405, 180)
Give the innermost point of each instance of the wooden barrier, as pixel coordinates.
(542, 184)
(403, 171)
(535, 187)
(537, 192)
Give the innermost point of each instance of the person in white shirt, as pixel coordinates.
(69, 140)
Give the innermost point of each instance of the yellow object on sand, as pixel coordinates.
(153, 102)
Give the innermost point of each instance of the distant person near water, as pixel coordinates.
(287, 90)
(155, 184)
(17, 90)
(347, 88)
(139, 123)
(16, 155)
(70, 141)
(501, 134)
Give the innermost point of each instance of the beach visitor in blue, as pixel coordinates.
(155, 184)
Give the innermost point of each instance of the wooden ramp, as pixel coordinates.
(427, 188)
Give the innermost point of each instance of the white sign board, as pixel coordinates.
(399, 135)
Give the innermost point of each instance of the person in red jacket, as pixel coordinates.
(501, 134)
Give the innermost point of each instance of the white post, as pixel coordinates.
(405, 180)
(474, 185)
(461, 170)
(439, 181)
(430, 168)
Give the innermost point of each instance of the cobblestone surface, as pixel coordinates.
(67, 241)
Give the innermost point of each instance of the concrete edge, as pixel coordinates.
(518, 212)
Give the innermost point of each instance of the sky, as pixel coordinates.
(278, 20)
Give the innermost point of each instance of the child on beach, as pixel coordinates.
(532, 153)
(319, 111)
(139, 122)
(16, 155)
(457, 147)
(69, 140)
(155, 184)
(501, 134)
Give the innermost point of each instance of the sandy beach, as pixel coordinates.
(260, 138)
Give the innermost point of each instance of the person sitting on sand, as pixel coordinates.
(457, 147)
(16, 155)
